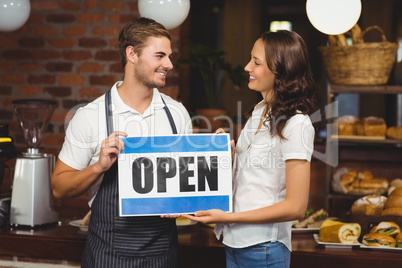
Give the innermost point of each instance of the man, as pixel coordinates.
(87, 161)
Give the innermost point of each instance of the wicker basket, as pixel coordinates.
(360, 64)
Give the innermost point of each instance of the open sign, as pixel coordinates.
(175, 174)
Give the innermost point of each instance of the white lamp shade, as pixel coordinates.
(170, 13)
(333, 16)
(13, 14)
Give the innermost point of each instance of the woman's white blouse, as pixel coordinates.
(259, 178)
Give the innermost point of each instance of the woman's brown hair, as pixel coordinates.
(294, 88)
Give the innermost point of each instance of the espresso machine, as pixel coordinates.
(31, 197)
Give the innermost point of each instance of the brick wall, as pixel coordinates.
(66, 52)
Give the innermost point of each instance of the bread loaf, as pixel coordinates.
(394, 201)
(395, 132)
(369, 205)
(367, 126)
(374, 126)
(393, 205)
(346, 125)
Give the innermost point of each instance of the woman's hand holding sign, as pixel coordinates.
(209, 216)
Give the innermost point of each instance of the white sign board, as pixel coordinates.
(175, 174)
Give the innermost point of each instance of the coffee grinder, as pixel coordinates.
(31, 202)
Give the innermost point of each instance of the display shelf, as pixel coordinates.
(333, 195)
(363, 142)
(379, 89)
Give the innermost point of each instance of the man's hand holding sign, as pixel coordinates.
(110, 150)
(175, 174)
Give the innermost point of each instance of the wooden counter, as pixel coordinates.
(198, 248)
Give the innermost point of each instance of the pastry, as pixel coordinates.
(339, 232)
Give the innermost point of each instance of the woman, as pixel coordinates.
(271, 166)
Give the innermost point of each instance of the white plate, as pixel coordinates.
(335, 245)
(382, 248)
(305, 230)
(77, 223)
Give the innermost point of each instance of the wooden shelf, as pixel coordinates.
(364, 140)
(380, 89)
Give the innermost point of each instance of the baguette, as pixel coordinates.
(356, 34)
(341, 40)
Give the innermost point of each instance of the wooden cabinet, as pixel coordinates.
(337, 204)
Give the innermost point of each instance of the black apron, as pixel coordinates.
(113, 241)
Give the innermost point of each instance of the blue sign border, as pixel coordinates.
(172, 144)
(173, 205)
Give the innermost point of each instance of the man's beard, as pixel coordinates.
(143, 78)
